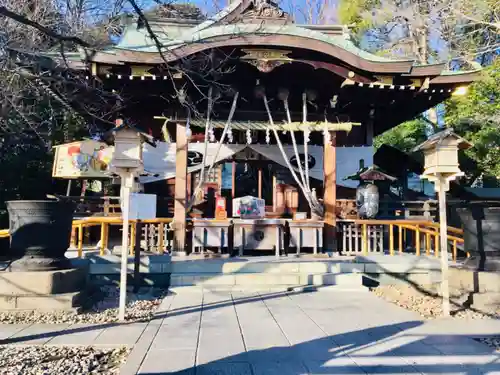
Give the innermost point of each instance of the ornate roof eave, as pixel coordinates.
(120, 56)
(465, 77)
(234, 27)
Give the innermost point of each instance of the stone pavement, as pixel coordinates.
(255, 333)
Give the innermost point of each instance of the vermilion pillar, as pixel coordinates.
(330, 193)
(180, 204)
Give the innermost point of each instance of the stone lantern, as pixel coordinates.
(127, 155)
(441, 157)
(441, 167)
(127, 163)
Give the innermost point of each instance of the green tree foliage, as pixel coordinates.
(405, 136)
(476, 116)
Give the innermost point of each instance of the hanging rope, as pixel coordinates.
(204, 161)
(306, 139)
(315, 208)
(221, 141)
(294, 142)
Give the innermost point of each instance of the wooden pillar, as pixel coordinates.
(180, 202)
(330, 193)
(233, 179)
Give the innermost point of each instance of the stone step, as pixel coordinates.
(267, 289)
(268, 267)
(267, 279)
(50, 302)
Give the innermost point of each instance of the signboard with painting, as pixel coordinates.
(84, 159)
(249, 207)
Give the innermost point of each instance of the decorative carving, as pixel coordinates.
(265, 9)
(266, 59)
(266, 66)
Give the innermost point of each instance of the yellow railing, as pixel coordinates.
(79, 227)
(357, 236)
(408, 232)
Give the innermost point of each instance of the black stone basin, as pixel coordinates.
(40, 233)
(481, 224)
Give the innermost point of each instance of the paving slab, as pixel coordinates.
(255, 333)
(279, 368)
(169, 362)
(226, 368)
(8, 330)
(78, 335)
(140, 350)
(121, 334)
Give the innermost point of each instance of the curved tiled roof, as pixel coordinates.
(231, 27)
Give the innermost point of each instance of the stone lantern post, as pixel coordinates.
(441, 167)
(127, 163)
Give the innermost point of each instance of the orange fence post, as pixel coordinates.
(391, 239)
(417, 240)
(161, 231)
(106, 235)
(80, 240)
(454, 250)
(133, 228)
(436, 244)
(73, 237)
(364, 244)
(103, 237)
(400, 239)
(428, 243)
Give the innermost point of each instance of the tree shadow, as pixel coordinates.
(386, 349)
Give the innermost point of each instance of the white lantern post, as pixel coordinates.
(127, 163)
(441, 167)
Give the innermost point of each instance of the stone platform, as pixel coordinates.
(265, 272)
(47, 290)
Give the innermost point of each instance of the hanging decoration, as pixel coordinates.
(230, 135)
(314, 204)
(268, 136)
(326, 134)
(188, 125)
(211, 134)
(307, 133)
(306, 139)
(221, 141)
(249, 137)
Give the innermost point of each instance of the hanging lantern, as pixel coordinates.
(188, 128)
(327, 136)
(268, 136)
(211, 134)
(249, 137)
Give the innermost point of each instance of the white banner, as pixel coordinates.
(273, 153)
(161, 160)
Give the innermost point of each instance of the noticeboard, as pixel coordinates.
(142, 206)
(84, 159)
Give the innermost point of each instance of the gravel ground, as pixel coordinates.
(140, 306)
(428, 307)
(59, 360)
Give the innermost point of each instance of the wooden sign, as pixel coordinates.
(220, 208)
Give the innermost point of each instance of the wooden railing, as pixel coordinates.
(409, 210)
(155, 233)
(391, 236)
(355, 237)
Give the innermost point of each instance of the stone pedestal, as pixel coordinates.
(43, 290)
